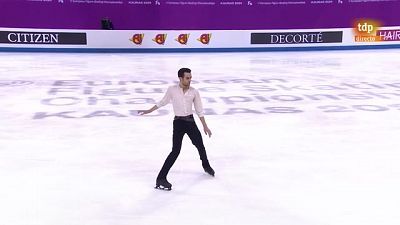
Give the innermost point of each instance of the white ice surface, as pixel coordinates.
(67, 159)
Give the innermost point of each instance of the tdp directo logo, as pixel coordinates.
(366, 30)
(370, 31)
(137, 39)
(205, 38)
(160, 39)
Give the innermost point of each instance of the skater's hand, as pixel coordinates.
(143, 112)
(207, 131)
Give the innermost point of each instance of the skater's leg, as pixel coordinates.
(197, 140)
(177, 136)
(195, 136)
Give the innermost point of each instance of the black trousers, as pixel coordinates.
(182, 126)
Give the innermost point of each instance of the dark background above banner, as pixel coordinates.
(195, 15)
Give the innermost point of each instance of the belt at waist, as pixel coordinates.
(188, 118)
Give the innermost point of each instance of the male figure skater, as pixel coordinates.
(182, 96)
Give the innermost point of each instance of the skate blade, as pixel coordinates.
(211, 174)
(162, 188)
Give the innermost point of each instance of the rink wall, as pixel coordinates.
(20, 39)
(197, 25)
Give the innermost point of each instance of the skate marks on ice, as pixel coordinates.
(157, 202)
(102, 127)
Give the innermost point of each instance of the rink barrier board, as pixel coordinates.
(199, 50)
(148, 41)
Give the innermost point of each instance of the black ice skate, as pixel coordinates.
(163, 184)
(207, 168)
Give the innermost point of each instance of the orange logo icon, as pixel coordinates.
(205, 38)
(160, 38)
(183, 39)
(137, 39)
(366, 30)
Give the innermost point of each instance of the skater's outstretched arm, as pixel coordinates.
(165, 100)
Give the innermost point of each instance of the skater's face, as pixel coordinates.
(186, 79)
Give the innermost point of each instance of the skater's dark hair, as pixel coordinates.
(182, 71)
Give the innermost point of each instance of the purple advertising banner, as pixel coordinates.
(196, 14)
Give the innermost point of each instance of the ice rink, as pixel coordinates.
(299, 138)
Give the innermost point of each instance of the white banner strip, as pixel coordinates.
(137, 40)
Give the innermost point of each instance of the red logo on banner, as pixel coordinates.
(160, 39)
(183, 39)
(205, 38)
(137, 39)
